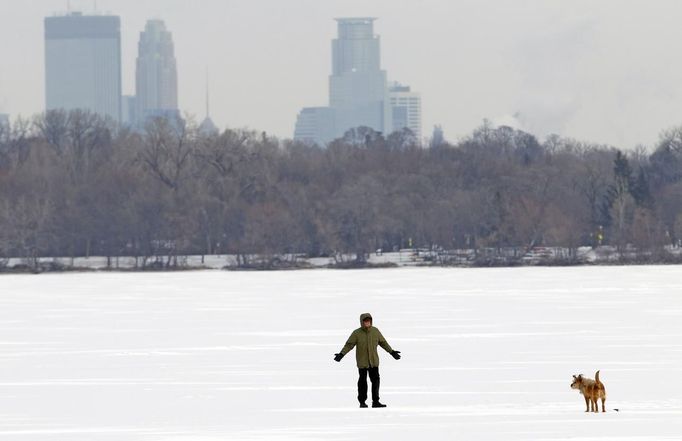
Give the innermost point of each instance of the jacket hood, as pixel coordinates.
(364, 316)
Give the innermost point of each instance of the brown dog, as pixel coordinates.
(592, 390)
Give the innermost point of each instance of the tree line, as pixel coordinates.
(75, 184)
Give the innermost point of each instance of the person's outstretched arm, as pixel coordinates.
(384, 344)
(350, 344)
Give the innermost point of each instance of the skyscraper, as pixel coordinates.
(357, 85)
(156, 77)
(358, 95)
(406, 109)
(83, 63)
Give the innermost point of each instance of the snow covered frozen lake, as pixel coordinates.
(488, 354)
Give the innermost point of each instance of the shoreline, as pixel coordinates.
(401, 259)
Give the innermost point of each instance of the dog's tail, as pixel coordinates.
(600, 386)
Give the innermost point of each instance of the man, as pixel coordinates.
(367, 338)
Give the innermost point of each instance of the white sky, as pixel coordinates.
(600, 70)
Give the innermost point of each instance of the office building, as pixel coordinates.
(315, 125)
(406, 109)
(357, 85)
(83, 63)
(358, 94)
(156, 78)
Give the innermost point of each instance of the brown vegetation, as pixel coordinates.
(73, 184)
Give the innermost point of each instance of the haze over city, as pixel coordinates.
(596, 71)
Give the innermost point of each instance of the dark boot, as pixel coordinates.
(378, 404)
(363, 405)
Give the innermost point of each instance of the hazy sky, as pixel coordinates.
(601, 70)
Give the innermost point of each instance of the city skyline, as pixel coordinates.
(546, 67)
(359, 93)
(358, 89)
(83, 68)
(83, 71)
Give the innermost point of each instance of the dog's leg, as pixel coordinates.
(603, 404)
(587, 404)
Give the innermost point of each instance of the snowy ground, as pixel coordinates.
(488, 354)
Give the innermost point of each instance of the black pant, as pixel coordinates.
(362, 384)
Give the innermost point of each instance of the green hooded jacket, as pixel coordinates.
(366, 342)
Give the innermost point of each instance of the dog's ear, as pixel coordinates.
(580, 377)
(575, 376)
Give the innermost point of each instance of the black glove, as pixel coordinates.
(396, 355)
(338, 357)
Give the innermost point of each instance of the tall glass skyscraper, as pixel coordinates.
(156, 77)
(357, 85)
(83, 63)
(358, 94)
